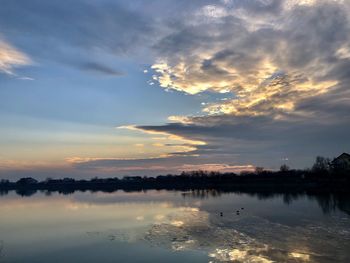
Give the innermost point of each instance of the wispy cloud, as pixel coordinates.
(10, 58)
(100, 69)
(166, 164)
(55, 31)
(187, 143)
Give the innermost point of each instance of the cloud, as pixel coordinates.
(88, 25)
(154, 166)
(270, 65)
(266, 141)
(10, 58)
(219, 167)
(100, 68)
(76, 30)
(285, 65)
(166, 136)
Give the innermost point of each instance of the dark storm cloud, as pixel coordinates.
(265, 141)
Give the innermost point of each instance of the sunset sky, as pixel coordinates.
(145, 87)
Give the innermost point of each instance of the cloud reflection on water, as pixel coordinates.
(180, 223)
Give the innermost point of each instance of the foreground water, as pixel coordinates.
(166, 226)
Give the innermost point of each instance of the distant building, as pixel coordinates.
(342, 162)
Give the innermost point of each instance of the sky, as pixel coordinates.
(145, 87)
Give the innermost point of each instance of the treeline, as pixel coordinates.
(298, 179)
(322, 176)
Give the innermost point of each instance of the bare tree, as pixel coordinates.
(284, 168)
(321, 165)
(259, 170)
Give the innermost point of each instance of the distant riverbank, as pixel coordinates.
(291, 181)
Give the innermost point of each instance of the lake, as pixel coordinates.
(174, 226)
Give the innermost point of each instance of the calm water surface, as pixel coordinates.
(165, 226)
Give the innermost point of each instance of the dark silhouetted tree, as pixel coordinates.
(321, 165)
(259, 170)
(27, 181)
(284, 168)
(1, 248)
